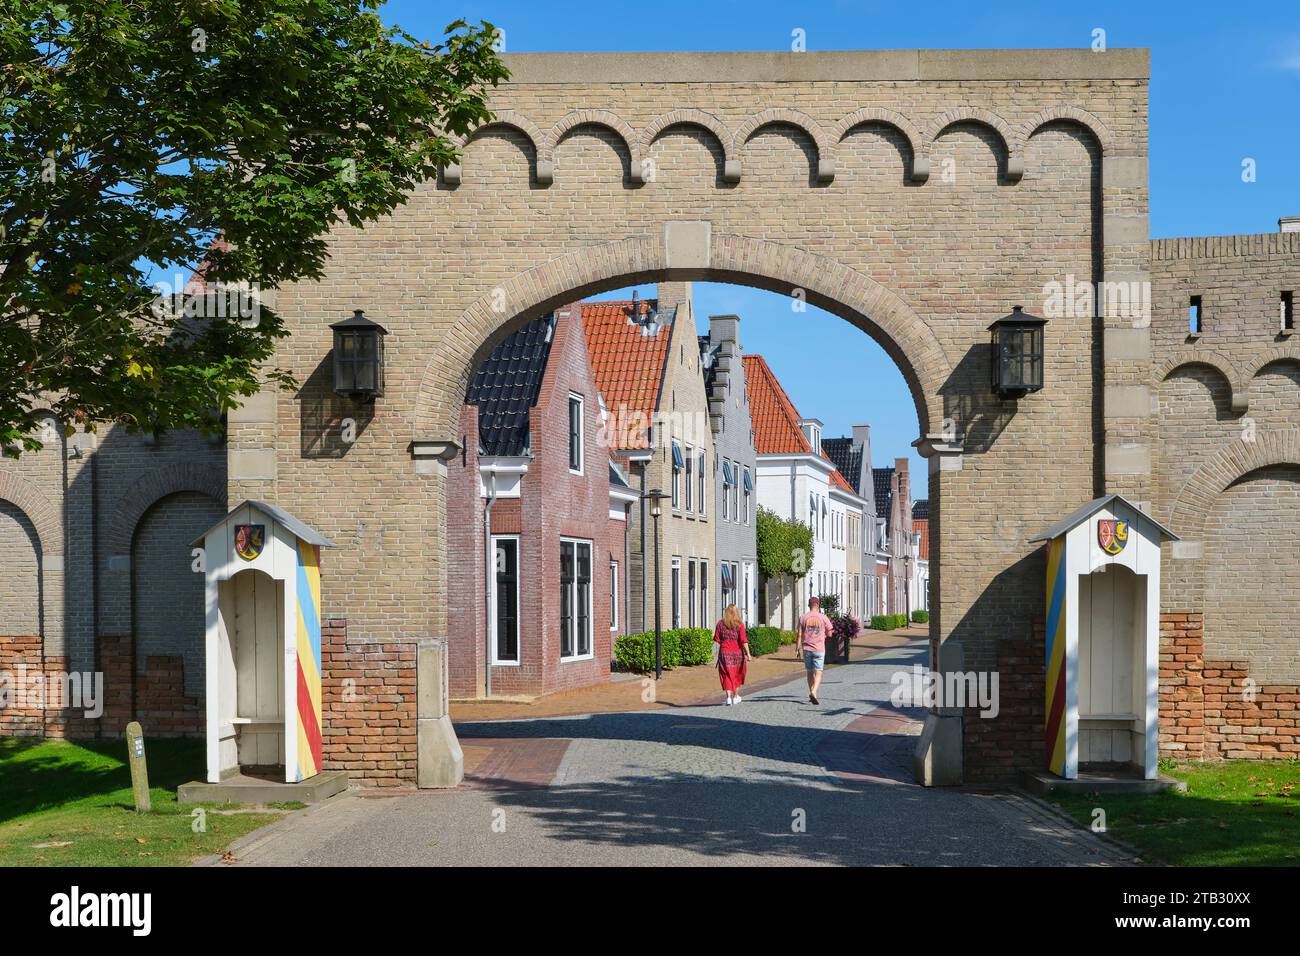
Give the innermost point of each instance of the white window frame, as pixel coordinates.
(745, 492)
(591, 637)
(613, 595)
(702, 483)
(725, 512)
(677, 477)
(687, 460)
(574, 397)
(519, 612)
(675, 594)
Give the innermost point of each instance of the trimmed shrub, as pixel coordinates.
(763, 640)
(921, 617)
(888, 622)
(686, 646)
(788, 638)
(696, 645)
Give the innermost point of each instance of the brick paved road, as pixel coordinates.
(772, 781)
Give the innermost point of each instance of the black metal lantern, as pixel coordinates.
(359, 357)
(1017, 353)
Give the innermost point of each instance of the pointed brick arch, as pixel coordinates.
(169, 480)
(41, 510)
(777, 267)
(1192, 506)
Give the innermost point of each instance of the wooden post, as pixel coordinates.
(139, 769)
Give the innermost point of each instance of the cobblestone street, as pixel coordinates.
(774, 780)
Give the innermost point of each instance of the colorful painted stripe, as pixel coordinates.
(1055, 724)
(309, 660)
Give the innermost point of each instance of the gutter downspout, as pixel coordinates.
(489, 565)
(645, 576)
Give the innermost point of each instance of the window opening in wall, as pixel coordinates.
(1194, 316)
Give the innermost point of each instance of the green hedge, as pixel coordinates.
(921, 617)
(888, 622)
(763, 640)
(687, 646)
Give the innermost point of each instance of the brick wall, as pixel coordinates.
(1214, 709)
(554, 503)
(368, 707)
(998, 750)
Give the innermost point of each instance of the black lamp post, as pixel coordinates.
(655, 496)
(1017, 353)
(359, 357)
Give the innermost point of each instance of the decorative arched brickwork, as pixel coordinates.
(755, 262)
(1011, 140)
(686, 117)
(542, 146)
(157, 485)
(1218, 361)
(1069, 114)
(605, 118)
(41, 510)
(915, 141)
(778, 117)
(1232, 462)
(1284, 353)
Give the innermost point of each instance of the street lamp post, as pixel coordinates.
(655, 496)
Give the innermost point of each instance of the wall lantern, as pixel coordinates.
(1017, 353)
(359, 357)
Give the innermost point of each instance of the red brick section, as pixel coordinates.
(999, 749)
(161, 704)
(368, 700)
(1208, 710)
(20, 656)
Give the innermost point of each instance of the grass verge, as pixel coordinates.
(1234, 813)
(69, 803)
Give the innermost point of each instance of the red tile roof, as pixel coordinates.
(628, 364)
(775, 419)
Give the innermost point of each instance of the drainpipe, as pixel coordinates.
(645, 591)
(490, 484)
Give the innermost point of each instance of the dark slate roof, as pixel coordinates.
(847, 459)
(880, 478)
(921, 508)
(506, 386)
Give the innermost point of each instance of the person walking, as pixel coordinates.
(733, 653)
(813, 629)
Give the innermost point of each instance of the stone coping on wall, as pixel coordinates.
(1218, 247)
(828, 66)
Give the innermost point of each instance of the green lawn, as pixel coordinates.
(69, 804)
(1234, 813)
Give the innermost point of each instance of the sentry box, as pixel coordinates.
(262, 569)
(1103, 639)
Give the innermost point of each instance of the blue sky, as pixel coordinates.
(1225, 86)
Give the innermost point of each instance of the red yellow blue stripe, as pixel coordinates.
(1056, 639)
(309, 660)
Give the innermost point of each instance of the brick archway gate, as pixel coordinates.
(917, 194)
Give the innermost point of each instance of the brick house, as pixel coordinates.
(733, 467)
(534, 477)
(646, 361)
(796, 480)
(852, 458)
(921, 539)
(893, 492)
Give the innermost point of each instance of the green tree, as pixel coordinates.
(139, 136)
(785, 549)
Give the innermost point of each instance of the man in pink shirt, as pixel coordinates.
(813, 629)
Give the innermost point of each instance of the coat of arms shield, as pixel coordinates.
(250, 539)
(1112, 535)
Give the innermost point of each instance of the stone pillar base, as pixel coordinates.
(937, 760)
(440, 761)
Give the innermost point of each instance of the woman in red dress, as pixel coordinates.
(733, 652)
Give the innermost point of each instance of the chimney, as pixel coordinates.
(1289, 224)
(670, 294)
(724, 330)
(862, 438)
(812, 431)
